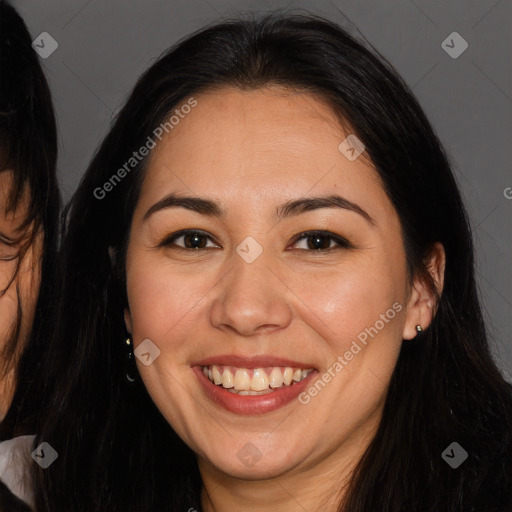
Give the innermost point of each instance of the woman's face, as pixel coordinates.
(260, 302)
(25, 284)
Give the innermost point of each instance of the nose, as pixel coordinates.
(251, 299)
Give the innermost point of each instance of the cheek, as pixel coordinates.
(27, 282)
(350, 298)
(161, 301)
(7, 269)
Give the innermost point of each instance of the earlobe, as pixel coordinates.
(422, 302)
(416, 314)
(128, 320)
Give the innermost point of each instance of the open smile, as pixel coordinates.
(246, 388)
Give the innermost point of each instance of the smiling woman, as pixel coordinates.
(20, 250)
(29, 202)
(299, 233)
(29, 206)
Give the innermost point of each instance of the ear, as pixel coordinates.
(422, 305)
(128, 320)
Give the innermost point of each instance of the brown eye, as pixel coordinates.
(188, 240)
(320, 241)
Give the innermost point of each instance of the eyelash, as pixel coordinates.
(343, 243)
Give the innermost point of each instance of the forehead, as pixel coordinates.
(258, 144)
(263, 124)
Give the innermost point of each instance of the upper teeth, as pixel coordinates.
(245, 380)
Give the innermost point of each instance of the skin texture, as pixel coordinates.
(27, 281)
(250, 152)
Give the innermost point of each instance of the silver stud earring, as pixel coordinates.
(130, 366)
(419, 330)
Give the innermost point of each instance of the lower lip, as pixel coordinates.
(252, 404)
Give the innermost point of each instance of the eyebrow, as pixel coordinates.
(288, 209)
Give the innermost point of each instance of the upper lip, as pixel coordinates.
(251, 361)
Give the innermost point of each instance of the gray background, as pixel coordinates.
(105, 45)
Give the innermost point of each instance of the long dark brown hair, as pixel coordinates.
(116, 451)
(28, 148)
